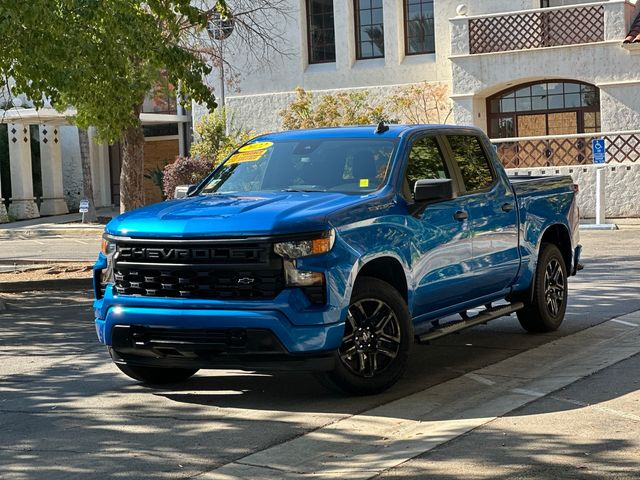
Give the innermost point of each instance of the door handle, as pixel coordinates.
(507, 207)
(461, 215)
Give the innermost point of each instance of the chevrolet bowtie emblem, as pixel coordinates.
(246, 281)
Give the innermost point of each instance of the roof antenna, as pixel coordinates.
(381, 128)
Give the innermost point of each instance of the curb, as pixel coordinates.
(41, 261)
(53, 284)
(598, 226)
(49, 232)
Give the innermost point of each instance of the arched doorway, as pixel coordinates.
(549, 107)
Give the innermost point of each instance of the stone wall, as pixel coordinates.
(622, 187)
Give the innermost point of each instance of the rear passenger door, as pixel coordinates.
(442, 245)
(491, 206)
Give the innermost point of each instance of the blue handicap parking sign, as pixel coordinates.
(599, 150)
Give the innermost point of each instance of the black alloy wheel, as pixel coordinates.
(544, 310)
(372, 337)
(554, 287)
(377, 340)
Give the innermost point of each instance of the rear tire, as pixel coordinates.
(157, 375)
(377, 340)
(545, 311)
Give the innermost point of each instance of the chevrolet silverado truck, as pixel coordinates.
(332, 251)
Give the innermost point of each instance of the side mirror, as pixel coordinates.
(183, 191)
(433, 190)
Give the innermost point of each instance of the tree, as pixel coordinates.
(103, 56)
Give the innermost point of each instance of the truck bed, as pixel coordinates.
(525, 185)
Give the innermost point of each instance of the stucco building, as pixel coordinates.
(542, 78)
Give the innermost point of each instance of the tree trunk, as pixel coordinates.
(132, 172)
(87, 182)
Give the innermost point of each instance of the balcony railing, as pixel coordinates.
(541, 28)
(562, 150)
(538, 29)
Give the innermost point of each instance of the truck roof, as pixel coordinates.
(362, 131)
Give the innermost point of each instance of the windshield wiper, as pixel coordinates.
(300, 190)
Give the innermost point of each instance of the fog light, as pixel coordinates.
(301, 278)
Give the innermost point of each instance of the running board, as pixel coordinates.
(455, 326)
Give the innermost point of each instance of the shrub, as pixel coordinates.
(343, 108)
(422, 102)
(184, 171)
(212, 140)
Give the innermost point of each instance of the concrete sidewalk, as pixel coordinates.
(60, 238)
(62, 248)
(377, 441)
(587, 430)
(57, 225)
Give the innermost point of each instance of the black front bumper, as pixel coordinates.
(236, 348)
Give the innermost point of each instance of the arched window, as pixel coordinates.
(544, 108)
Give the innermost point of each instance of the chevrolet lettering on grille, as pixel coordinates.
(166, 254)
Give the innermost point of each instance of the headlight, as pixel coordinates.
(109, 249)
(305, 248)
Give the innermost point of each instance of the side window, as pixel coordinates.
(321, 36)
(426, 162)
(474, 165)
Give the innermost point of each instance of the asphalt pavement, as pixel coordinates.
(23, 249)
(491, 402)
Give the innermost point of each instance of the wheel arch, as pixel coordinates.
(558, 235)
(388, 269)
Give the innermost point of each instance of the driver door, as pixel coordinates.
(442, 242)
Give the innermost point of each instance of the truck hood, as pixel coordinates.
(233, 215)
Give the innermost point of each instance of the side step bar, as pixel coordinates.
(483, 317)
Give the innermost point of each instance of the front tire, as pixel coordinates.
(157, 375)
(377, 340)
(545, 311)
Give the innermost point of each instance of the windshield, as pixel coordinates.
(312, 165)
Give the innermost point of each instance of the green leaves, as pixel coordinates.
(100, 56)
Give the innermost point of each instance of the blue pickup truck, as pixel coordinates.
(332, 251)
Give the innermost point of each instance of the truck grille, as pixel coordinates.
(214, 271)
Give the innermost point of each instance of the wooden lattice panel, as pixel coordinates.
(536, 29)
(555, 152)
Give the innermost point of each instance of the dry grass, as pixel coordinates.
(47, 272)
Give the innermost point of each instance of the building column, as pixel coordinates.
(23, 203)
(100, 178)
(51, 164)
(4, 218)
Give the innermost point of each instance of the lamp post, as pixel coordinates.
(219, 28)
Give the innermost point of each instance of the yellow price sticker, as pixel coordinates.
(245, 157)
(364, 182)
(255, 146)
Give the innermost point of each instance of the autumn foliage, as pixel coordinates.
(422, 102)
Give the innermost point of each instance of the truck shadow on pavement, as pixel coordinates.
(64, 422)
(66, 412)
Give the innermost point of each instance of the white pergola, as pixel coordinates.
(22, 202)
